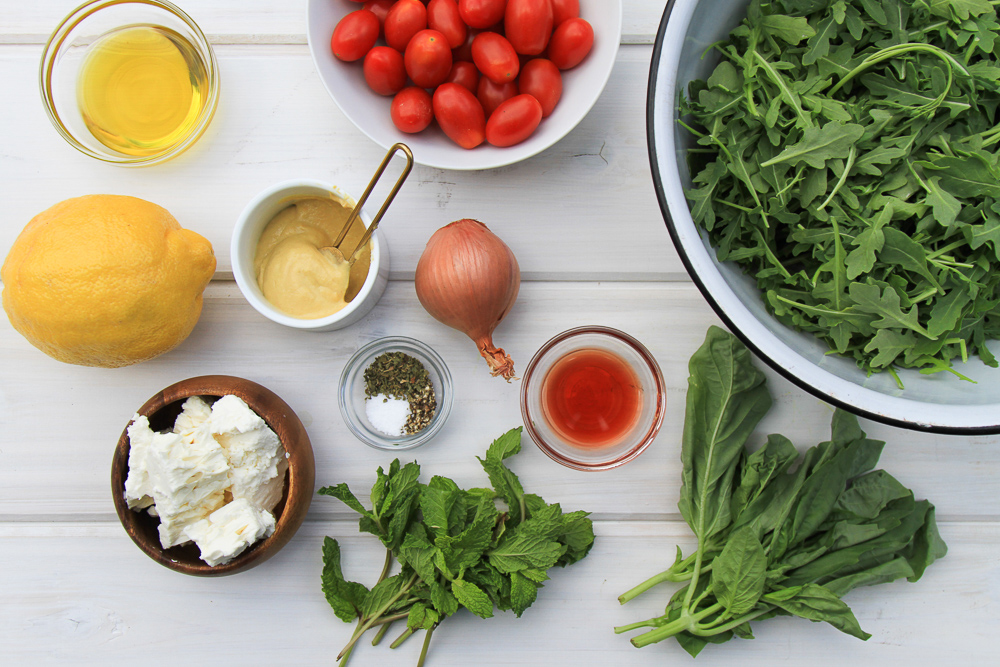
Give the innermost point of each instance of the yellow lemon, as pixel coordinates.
(105, 280)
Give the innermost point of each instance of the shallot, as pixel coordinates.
(468, 279)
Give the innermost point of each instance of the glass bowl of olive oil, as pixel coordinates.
(131, 82)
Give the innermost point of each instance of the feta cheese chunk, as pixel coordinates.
(218, 457)
(256, 458)
(228, 531)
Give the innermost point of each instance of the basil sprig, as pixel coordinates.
(778, 534)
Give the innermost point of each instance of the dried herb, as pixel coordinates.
(400, 376)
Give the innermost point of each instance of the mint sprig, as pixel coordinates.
(481, 549)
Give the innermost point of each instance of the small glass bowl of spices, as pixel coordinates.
(395, 393)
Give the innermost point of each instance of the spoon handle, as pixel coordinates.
(364, 197)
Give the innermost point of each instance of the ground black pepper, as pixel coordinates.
(400, 376)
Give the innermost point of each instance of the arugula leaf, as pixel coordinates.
(847, 142)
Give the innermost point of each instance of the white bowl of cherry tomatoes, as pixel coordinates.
(467, 84)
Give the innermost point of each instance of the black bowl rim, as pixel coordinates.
(661, 197)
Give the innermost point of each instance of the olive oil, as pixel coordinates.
(141, 89)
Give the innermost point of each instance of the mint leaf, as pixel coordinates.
(472, 598)
(346, 597)
(523, 592)
(525, 550)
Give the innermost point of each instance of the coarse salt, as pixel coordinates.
(386, 414)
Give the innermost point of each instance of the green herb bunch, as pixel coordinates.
(777, 535)
(846, 157)
(456, 548)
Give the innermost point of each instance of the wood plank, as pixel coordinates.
(258, 21)
(600, 171)
(83, 594)
(58, 468)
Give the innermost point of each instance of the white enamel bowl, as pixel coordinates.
(939, 403)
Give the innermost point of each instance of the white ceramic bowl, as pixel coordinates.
(345, 82)
(939, 403)
(247, 232)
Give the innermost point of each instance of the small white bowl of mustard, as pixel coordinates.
(277, 250)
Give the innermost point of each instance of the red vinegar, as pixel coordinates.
(591, 398)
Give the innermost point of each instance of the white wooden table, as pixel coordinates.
(583, 221)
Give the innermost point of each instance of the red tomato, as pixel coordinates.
(411, 110)
(481, 13)
(404, 20)
(542, 80)
(460, 115)
(384, 70)
(491, 95)
(354, 35)
(464, 52)
(514, 121)
(528, 25)
(428, 58)
(443, 16)
(495, 57)
(464, 74)
(571, 42)
(564, 9)
(380, 8)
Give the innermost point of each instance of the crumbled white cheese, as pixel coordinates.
(214, 457)
(228, 531)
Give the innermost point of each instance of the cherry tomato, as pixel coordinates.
(384, 70)
(514, 121)
(354, 35)
(528, 25)
(571, 42)
(491, 95)
(464, 52)
(464, 74)
(411, 110)
(495, 57)
(481, 13)
(542, 80)
(443, 16)
(564, 9)
(404, 20)
(380, 8)
(460, 115)
(428, 58)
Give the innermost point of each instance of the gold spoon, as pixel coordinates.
(335, 250)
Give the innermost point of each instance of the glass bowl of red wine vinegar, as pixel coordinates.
(593, 398)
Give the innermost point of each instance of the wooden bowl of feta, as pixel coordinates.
(213, 475)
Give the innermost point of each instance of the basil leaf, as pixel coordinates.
(738, 572)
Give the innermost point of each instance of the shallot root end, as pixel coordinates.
(499, 361)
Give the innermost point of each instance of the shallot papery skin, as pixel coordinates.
(468, 279)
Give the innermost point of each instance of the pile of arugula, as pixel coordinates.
(847, 158)
(456, 548)
(773, 540)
